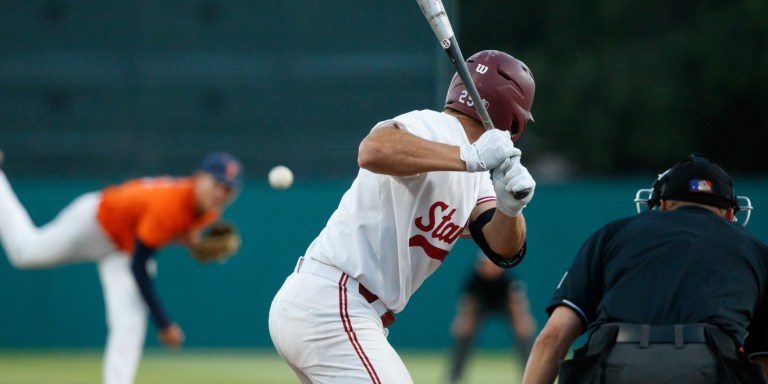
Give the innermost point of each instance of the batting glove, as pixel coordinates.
(511, 177)
(493, 147)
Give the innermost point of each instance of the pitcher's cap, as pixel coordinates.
(224, 168)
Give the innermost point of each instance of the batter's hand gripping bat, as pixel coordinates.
(434, 12)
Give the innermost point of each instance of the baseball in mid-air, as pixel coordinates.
(280, 177)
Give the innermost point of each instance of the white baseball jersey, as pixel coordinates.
(390, 233)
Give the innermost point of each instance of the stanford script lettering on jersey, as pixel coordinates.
(444, 231)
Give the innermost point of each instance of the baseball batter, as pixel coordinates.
(120, 228)
(423, 183)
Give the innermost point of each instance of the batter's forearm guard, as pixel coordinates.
(476, 229)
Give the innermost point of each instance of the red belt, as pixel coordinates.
(388, 317)
(332, 273)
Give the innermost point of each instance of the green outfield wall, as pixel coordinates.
(227, 305)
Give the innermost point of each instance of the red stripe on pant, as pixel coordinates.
(344, 314)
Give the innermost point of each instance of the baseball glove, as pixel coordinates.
(219, 242)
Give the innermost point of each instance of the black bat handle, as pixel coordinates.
(519, 195)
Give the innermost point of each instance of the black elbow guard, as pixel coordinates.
(476, 229)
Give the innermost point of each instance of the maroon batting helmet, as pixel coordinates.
(506, 86)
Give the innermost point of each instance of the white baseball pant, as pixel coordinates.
(75, 235)
(328, 332)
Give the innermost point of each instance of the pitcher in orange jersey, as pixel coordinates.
(120, 228)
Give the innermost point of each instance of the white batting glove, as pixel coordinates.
(493, 147)
(511, 177)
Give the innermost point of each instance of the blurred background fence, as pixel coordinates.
(227, 305)
(95, 91)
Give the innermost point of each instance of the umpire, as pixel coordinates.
(671, 295)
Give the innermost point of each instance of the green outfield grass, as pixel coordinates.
(226, 367)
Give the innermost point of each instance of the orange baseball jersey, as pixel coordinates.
(155, 210)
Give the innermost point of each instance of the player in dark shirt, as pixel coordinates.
(490, 290)
(673, 295)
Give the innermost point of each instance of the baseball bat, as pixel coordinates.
(434, 12)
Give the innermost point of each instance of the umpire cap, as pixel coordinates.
(695, 179)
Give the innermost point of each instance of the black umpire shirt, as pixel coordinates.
(670, 267)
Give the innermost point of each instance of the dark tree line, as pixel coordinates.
(628, 87)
